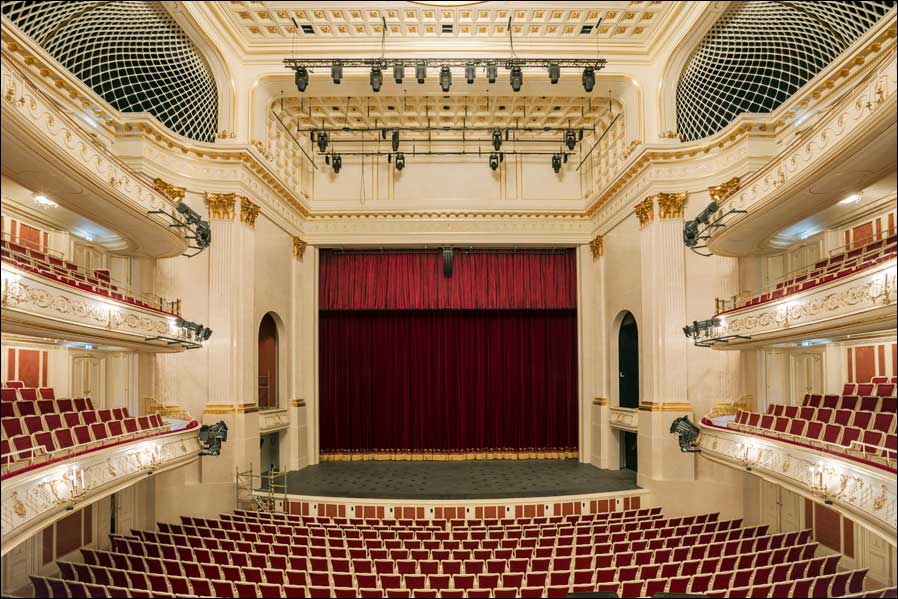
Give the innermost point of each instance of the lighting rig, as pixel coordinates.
(700, 228)
(702, 328)
(193, 222)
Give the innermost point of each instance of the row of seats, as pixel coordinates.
(65, 272)
(824, 271)
(875, 421)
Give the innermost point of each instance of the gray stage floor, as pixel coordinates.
(457, 480)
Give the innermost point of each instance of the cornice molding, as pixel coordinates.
(221, 205)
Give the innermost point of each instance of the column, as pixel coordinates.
(663, 378)
(604, 452)
(231, 349)
(296, 449)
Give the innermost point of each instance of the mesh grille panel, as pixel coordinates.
(760, 53)
(132, 53)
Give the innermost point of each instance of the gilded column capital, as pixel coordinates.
(670, 205)
(248, 211)
(597, 246)
(172, 192)
(221, 205)
(299, 247)
(719, 193)
(645, 211)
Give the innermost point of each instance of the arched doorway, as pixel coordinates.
(268, 363)
(628, 383)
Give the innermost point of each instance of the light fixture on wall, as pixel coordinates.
(494, 161)
(44, 202)
(556, 163)
(400, 161)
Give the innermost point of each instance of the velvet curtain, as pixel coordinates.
(416, 365)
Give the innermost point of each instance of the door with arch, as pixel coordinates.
(628, 362)
(268, 363)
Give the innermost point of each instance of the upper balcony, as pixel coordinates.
(45, 149)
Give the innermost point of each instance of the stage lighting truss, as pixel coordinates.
(698, 230)
(701, 333)
(201, 232)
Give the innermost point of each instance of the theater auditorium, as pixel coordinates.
(448, 299)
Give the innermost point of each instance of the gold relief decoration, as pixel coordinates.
(719, 193)
(600, 401)
(880, 501)
(645, 211)
(172, 192)
(597, 245)
(248, 211)
(666, 407)
(298, 403)
(221, 205)
(670, 205)
(18, 506)
(299, 247)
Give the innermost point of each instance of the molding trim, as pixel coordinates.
(719, 193)
(666, 407)
(600, 401)
(228, 408)
(221, 205)
(172, 192)
(297, 403)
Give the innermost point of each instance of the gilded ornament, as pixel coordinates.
(248, 211)
(221, 205)
(720, 193)
(645, 211)
(299, 247)
(172, 192)
(597, 246)
(18, 506)
(670, 205)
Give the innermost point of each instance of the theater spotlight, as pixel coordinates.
(497, 140)
(589, 79)
(492, 71)
(570, 139)
(470, 72)
(690, 234)
(517, 78)
(704, 216)
(322, 140)
(337, 162)
(554, 73)
(301, 79)
(207, 332)
(212, 436)
(337, 71)
(377, 78)
(398, 72)
(687, 433)
(445, 78)
(394, 140)
(203, 235)
(190, 215)
(556, 162)
(400, 161)
(494, 161)
(420, 72)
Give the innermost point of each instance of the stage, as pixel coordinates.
(464, 480)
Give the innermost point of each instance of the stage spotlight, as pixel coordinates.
(337, 71)
(517, 78)
(400, 161)
(377, 78)
(445, 78)
(690, 234)
(704, 216)
(190, 215)
(302, 79)
(322, 140)
(688, 434)
(554, 73)
(394, 141)
(556, 162)
(337, 162)
(470, 72)
(203, 235)
(207, 332)
(497, 140)
(570, 139)
(589, 79)
(212, 436)
(420, 72)
(494, 161)
(492, 71)
(398, 72)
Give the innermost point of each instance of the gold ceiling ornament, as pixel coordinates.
(670, 205)
(248, 211)
(221, 205)
(597, 246)
(299, 247)
(720, 193)
(645, 211)
(172, 192)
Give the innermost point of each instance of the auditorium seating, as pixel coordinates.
(861, 422)
(822, 272)
(634, 553)
(99, 282)
(37, 427)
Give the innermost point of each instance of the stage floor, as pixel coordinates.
(487, 479)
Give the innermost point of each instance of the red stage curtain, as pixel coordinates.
(448, 381)
(481, 280)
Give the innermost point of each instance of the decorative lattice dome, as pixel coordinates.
(132, 53)
(760, 53)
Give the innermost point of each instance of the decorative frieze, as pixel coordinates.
(721, 192)
(221, 205)
(172, 192)
(273, 420)
(597, 245)
(671, 205)
(299, 247)
(248, 211)
(645, 211)
(626, 419)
